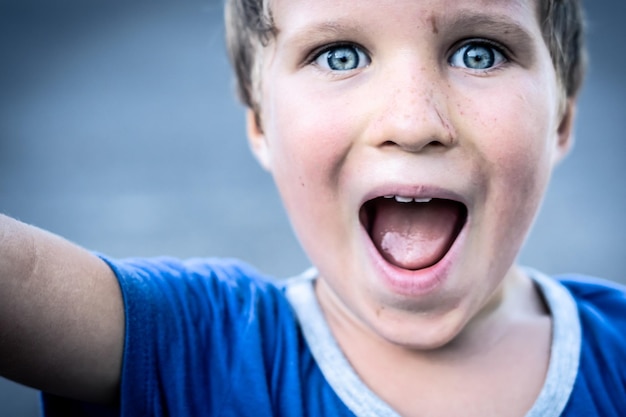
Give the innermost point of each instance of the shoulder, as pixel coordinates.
(223, 292)
(174, 268)
(602, 310)
(599, 388)
(170, 274)
(606, 298)
(199, 334)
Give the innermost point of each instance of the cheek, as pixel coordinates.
(516, 154)
(514, 132)
(308, 138)
(309, 143)
(523, 158)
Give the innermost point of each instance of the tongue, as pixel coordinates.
(415, 235)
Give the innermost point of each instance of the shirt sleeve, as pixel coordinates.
(600, 388)
(195, 331)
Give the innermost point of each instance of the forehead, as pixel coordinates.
(292, 16)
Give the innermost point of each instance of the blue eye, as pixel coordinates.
(477, 56)
(342, 58)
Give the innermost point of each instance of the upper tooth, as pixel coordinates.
(400, 199)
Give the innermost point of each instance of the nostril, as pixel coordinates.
(432, 143)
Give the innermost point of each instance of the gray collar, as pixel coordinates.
(557, 388)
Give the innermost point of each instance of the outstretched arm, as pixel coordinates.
(61, 315)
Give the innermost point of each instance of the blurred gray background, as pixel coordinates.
(119, 130)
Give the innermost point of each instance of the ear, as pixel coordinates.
(257, 140)
(565, 131)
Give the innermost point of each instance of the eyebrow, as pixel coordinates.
(484, 24)
(330, 28)
(496, 24)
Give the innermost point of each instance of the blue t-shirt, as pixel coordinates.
(216, 338)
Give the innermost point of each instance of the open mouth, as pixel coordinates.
(413, 233)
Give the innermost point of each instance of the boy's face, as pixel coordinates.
(452, 101)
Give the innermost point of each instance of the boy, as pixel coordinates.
(411, 142)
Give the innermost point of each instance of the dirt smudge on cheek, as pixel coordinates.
(433, 24)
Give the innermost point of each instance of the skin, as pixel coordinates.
(410, 122)
(61, 316)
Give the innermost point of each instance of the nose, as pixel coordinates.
(412, 112)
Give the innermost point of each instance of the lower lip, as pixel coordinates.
(421, 282)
